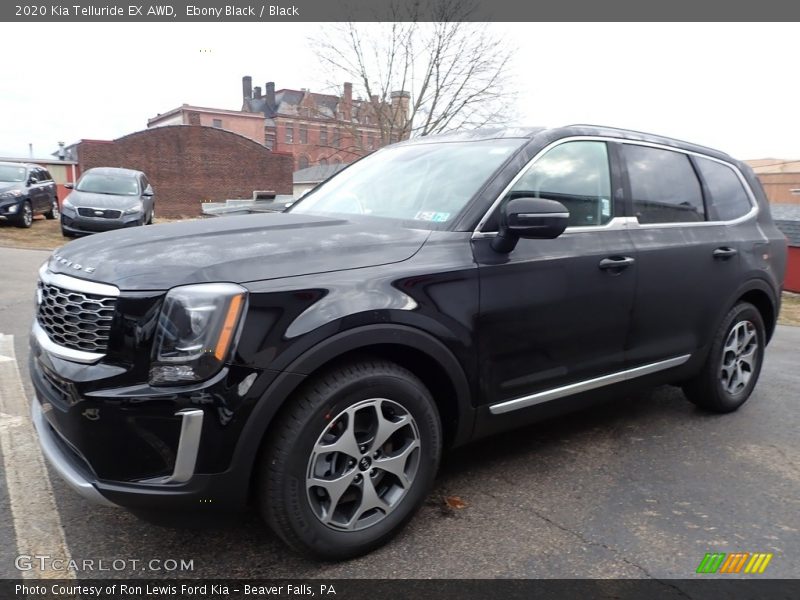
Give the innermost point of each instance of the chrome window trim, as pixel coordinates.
(631, 221)
(74, 284)
(584, 386)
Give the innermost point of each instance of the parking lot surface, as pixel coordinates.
(641, 487)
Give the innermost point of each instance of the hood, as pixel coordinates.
(6, 186)
(235, 249)
(91, 200)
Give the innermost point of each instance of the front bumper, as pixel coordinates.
(71, 222)
(64, 462)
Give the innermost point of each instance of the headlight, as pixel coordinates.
(135, 209)
(67, 204)
(196, 330)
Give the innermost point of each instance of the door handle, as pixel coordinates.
(724, 252)
(617, 262)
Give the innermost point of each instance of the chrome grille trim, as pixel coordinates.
(74, 316)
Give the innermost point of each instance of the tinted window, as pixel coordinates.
(33, 176)
(664, 186)
(45, 175)
(728, 198)
(577, 175)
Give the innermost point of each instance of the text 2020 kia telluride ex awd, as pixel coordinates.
(434, 292)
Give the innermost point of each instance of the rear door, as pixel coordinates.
(36, 190)
(556, 312)
(688, 262)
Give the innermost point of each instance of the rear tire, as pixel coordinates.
(350, 459)
(734, 362)
(53, 213)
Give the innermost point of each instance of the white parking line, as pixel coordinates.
(36, 520)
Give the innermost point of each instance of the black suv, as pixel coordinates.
(26, 190)
(437, 291)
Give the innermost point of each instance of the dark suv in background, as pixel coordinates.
(108, 198)
(434, 292)
(25, 191)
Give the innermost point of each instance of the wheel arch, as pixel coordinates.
(760, 294)
(419, 352)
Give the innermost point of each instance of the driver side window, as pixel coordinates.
(575, 174)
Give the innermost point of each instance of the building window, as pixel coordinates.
(323, 136)
(270, 138)
(795, 192)
(336, 162)
(371, 141)
(217, 123)
(303, 133)
(289, 133)
(302, 162)
(337, 137)
(323, 162)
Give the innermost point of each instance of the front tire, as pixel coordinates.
(350, 460)
(25, 217)
(733, 364)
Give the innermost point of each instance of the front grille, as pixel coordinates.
(75, 320)
(100, 213)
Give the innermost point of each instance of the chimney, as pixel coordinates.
(270, 95)
(347, 102)
(247, 87)
(400, 102)
(257, 92)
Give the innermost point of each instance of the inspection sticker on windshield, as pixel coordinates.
(429, 215)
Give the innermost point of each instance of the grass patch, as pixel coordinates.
(42, 235)
(790, 309)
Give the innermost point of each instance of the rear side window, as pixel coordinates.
(45, 175)
(575, 174)
(728, 197)
(664, 186)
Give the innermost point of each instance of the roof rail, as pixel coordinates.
(666, 137)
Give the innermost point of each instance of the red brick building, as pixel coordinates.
(324, 129)
(189, 164)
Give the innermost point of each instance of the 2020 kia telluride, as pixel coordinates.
(436, 291)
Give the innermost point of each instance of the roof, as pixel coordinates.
(202, 109)
(764, 166)
(555, 133)
(785, 212)
(316, 174)
(791, 229)
(114, 171)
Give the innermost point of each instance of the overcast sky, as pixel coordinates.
(730, 86)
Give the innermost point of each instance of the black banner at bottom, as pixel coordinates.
(400, 589)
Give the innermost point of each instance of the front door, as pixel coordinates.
(556, 312)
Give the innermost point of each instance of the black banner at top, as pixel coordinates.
(393, 10)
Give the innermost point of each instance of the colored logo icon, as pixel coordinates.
(736, 562)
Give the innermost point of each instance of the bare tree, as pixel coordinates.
(453, 72)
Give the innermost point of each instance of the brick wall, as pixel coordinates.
(190, 164)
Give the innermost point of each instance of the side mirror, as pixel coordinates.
(534, 218)
(69, 186)
(148, 191)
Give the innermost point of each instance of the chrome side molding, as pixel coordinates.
(584, 386)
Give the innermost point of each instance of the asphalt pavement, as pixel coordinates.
(641, 487)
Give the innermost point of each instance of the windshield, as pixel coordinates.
(421, 182)
(118, 185)
(12, 173)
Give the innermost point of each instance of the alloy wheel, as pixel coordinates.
(363, 464)
(739, 357)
